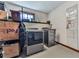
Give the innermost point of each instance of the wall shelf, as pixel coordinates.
(24, 21)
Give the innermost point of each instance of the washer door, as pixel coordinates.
(35, 38)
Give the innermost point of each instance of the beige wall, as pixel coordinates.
(58, 20)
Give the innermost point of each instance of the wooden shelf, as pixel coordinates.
(8, 20)
(38, 22)
(24, 21)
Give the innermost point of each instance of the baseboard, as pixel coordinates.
(68, 47)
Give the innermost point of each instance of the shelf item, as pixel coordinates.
(15, 15)
(9, 31)
(3, 15)
(2, 6)
(11, 50)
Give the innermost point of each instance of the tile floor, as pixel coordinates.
(57, 51)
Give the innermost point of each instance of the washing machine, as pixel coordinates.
(49, 37)
(34, 42)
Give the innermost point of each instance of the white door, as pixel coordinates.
(72, 26)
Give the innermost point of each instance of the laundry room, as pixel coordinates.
(39, 29)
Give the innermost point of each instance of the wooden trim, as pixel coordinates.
(68, 47)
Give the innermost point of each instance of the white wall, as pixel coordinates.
(39, 16)
(58, 20)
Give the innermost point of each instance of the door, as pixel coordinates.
(72, 26)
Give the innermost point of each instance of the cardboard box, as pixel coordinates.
(9, 31)
(12, 30)
(11, 50)
(3, 15)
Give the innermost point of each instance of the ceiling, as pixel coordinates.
(44, 6)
